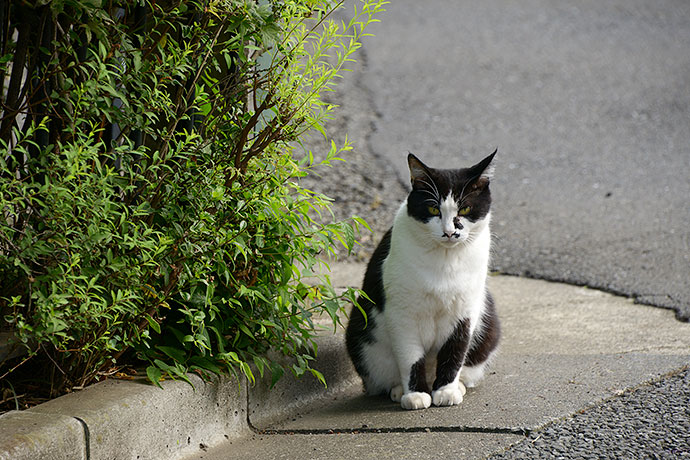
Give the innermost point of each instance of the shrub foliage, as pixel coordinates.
(150, 188)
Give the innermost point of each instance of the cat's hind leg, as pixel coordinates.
(396, 393)
(382, 375)
(470, 376)
(484, 349)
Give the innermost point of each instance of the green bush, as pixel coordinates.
(149, 184)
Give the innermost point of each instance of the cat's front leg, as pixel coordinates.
(447, 388)
(408, 352)
(416, 394)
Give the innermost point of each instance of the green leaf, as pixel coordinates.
(174, 353)
(206, 364)
(154, 375)
(246, 330)
(362, 222)
(319, 376)
(276, 373)
(153, 323)
(332, 306)
(349, 236)
(247, 371)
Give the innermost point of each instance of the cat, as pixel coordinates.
(431, 325)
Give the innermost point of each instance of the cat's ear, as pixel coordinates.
(483, 171)
(419, 172)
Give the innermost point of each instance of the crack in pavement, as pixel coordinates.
(419, 429)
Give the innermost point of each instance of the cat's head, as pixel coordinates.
(452, 204)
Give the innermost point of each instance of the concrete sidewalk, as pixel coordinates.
(565, 350)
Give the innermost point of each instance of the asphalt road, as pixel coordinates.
(588, 103)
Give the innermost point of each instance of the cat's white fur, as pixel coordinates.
(430, 282)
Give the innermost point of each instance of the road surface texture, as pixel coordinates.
(589, 105)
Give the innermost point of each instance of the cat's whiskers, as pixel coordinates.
(431, 184)
(463, 200)
(432, 193)
(431, 201)
(464, 197)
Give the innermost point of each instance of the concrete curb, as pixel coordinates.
(119, 419)
(127, 419)
(33, 435)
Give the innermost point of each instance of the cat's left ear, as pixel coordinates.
(419, 172)
(483, 171)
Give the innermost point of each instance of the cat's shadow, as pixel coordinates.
(362, 403)
(356, 411)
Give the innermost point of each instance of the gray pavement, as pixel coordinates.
(566, 350)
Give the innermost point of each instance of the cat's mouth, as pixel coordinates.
(452, 241)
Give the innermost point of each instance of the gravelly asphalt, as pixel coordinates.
(652, 422)
(364, 184)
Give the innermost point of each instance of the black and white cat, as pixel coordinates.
(431, 325)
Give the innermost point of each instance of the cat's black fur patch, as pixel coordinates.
(373, 278)
(359, 328)
(452, 354)
(490, 335)
(418, 377)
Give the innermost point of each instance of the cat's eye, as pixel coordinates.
(433, 210)
(464, 211)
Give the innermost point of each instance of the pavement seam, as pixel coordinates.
(87, 438)
(420, 429)
(247, 408)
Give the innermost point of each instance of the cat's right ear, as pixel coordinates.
(483, 172)
(419, 172)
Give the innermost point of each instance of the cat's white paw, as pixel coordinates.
(415, 400)
(448, 395)
(397, 393)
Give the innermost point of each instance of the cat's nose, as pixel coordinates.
(450, 235)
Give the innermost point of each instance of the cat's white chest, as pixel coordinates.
(432, 286)
(434, 281)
